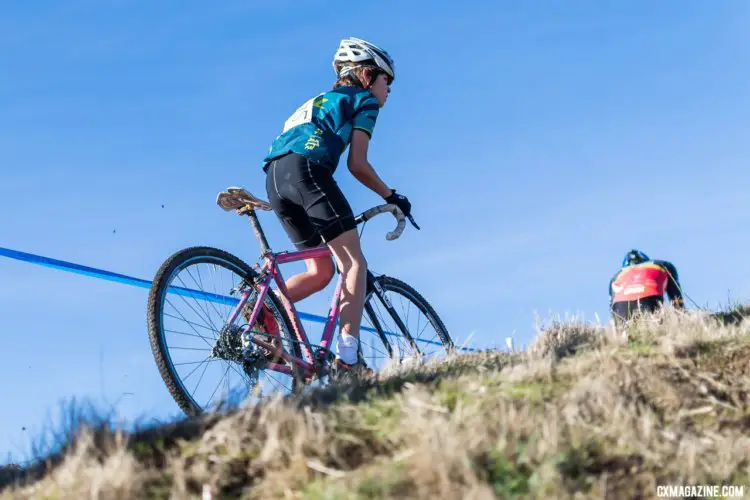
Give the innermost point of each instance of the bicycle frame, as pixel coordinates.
(270, 271)
(245, 204)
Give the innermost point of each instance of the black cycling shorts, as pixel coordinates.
(307, 200)
(625, 310)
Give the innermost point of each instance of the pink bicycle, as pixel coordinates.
(212, 320)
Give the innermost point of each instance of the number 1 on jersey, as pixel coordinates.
(303, 114)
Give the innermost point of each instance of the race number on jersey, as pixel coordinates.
(302, 115)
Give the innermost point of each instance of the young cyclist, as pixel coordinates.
(639, 286)
(301, 188)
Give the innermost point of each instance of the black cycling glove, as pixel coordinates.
(400, 201)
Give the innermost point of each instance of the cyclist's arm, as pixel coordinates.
(674, 291)
(361, 168)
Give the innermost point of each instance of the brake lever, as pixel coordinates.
(413, 223)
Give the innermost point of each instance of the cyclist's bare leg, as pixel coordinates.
(319, 273)
(347, 251)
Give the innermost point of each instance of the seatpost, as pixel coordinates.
(264, 247)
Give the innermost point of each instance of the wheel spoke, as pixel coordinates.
(189, 335)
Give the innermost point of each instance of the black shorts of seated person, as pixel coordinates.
(307, 200)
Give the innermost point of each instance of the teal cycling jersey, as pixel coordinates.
(321, 129)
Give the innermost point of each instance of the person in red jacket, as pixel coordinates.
(640, 284)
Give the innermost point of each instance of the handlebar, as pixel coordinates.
(397, 213)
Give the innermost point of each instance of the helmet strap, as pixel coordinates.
(349, 71)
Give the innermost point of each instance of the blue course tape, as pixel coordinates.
(129, 280)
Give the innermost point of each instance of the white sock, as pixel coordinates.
(346, 348)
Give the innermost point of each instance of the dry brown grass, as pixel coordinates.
(587, 412)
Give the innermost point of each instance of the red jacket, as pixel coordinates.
(639, 281)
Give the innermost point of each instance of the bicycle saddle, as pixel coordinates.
(235, 198)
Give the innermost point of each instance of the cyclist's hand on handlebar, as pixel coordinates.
(401, 201)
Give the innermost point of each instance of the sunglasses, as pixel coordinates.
(388, 77)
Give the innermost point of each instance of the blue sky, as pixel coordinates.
(537, 142)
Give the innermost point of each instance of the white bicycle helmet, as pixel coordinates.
(355, 50)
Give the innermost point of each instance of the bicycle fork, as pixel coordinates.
(373, 287)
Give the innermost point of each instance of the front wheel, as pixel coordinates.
(399, 324)
(191, 300)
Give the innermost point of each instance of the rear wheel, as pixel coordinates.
(190, 302)
(399, 324)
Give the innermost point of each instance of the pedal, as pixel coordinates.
(326, 358)
(324, 354)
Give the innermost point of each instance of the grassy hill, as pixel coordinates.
(585, 412)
